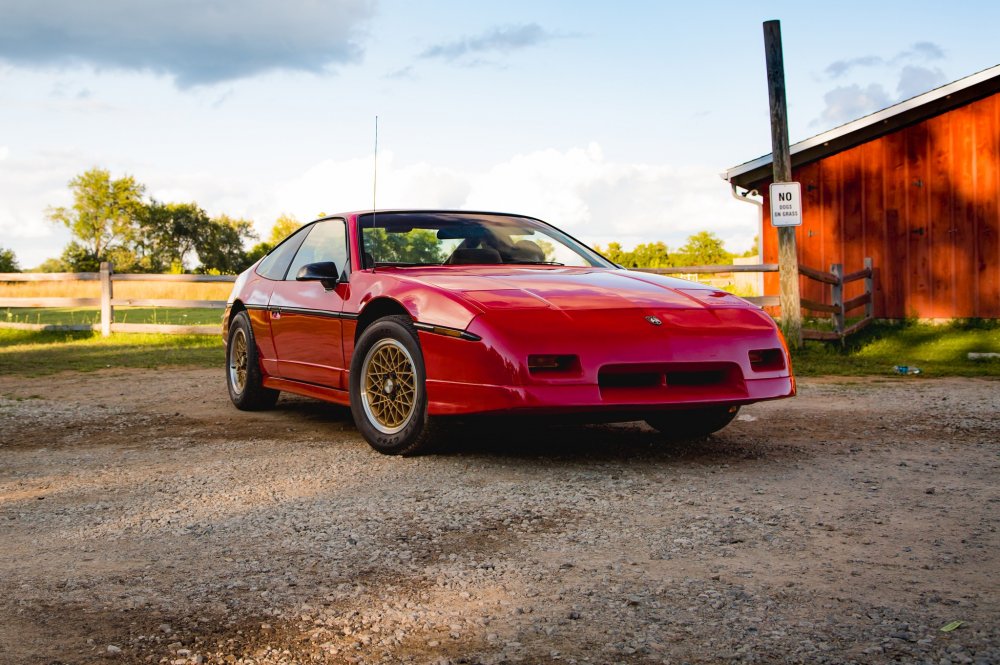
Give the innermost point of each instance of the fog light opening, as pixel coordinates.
(552, 363)
(767, 360)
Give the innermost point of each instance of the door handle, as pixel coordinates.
(275, 312)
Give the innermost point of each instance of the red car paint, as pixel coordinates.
(641, 342)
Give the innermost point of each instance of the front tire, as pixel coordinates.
(243, 375)
(388, 391)
(692, 423)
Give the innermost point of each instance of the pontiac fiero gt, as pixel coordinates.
(410, 317)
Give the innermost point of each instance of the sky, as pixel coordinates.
(612, 121)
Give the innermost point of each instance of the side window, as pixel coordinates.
(327, 241)
(274, 265)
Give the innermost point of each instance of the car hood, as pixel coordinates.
(578, 289)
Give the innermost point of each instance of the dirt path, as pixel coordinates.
(143, 519)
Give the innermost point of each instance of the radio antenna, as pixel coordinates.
(374, 192)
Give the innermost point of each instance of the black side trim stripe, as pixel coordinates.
(305, 311)
(327, 314)
(322, 313)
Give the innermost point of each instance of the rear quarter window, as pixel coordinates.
(275, 265)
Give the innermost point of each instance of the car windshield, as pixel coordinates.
(456, 238)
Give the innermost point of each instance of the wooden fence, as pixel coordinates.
(837, 308)
(107, 302)
(836, 279)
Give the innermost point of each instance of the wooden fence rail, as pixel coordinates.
(107, 302)
(761, 301)
(836, 279)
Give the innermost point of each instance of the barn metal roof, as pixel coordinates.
(913, 110)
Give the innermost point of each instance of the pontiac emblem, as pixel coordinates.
(655, 321)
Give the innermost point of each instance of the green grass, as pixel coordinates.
(36, 353)
(938, 350)
(82, 315)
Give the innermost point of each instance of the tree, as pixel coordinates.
(652, 255)
(283, 227)
(52, 265)
(220, 245)
(257, 252)
(77, 258)
(703, 248)
(103, 215)
(8, 262)
(169, 235)
(415, 246)
(647, 255)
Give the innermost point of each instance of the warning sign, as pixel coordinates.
(786, 204)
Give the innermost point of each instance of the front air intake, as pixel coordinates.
(646, 382)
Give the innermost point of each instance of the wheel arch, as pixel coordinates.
(375, 310)
(235, 309)
(232, 310)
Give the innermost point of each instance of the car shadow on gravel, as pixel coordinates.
(527, 440)
(313, 411)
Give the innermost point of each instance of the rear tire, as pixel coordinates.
(692, 423)
(387, 385)
(243, 374)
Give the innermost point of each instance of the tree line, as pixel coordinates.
(701, 249)
(113, 220)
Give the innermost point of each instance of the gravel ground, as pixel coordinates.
(144, 519)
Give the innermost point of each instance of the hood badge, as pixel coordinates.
(655, 321)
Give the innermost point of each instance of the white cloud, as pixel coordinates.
(578, 190)
(498, 40)
(27, 188)
(850, 102)
(915, 80)
(196, 43)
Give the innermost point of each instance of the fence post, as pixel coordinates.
(837, 298)
(107, 311)
(870, 289)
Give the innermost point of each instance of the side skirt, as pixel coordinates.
(309, 390)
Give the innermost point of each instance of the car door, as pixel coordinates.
(305, 316)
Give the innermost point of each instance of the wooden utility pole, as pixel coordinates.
(788, 258)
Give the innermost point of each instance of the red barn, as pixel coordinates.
(916, 187)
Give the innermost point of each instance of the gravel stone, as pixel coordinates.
(141, 511)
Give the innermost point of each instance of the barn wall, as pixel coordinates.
(923, 202)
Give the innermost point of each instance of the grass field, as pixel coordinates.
(83, 315)
(35, 353)
(937, 350)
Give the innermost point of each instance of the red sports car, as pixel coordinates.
(412, 316)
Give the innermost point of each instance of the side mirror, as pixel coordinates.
(324, 272)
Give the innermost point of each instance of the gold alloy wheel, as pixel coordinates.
(238, 361)
(388, 391)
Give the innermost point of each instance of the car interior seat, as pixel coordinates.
(466, 256)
